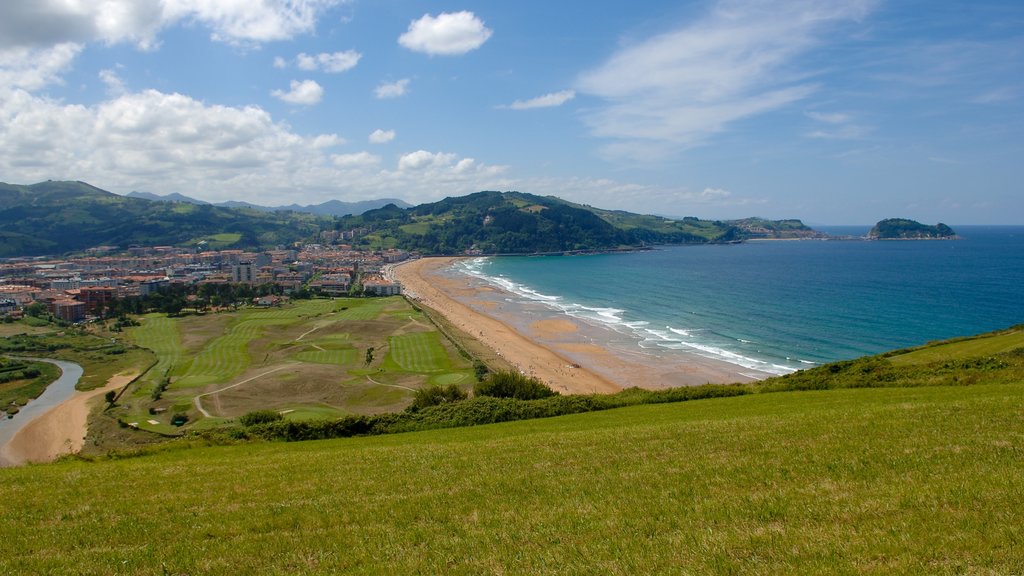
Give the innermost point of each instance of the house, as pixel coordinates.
(382, 287)
(67, 310)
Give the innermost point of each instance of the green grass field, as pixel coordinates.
(419, 352)
(864, 481)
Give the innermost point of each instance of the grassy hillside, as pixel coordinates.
(516, 222)
(58, 217)
(863, 480)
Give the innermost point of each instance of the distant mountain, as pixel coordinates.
(58, 217)
(329, 208)
(339, 208)
(173, 197)
(904, 229)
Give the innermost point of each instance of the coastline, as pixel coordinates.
(59, 431)
(565, 352)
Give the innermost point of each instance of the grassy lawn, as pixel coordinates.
(963, 348)
(920, 480)
(418, 352)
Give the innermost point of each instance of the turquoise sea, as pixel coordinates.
(779, 306)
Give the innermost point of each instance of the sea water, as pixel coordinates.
(779, 306)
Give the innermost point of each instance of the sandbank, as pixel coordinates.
(566, 353)
(61, 430)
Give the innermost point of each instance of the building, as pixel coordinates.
(243, 273)
(382, 288)
(7, 305)
(153, 285)
(97, 298)
(67, 310)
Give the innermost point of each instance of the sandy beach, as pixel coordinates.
(61, 430)
(562, 351)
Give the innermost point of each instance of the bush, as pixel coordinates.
(434, 395)
(260, 417)
(512, 385)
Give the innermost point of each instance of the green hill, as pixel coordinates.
(904, 229)
(518, 223)
(58, 217)
(918, 479)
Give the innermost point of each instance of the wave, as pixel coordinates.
(670, 338)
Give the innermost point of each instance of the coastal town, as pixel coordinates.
(79, 288)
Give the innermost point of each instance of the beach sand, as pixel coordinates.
(564, 352)
(61, 430)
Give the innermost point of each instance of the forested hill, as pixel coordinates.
(904, 229)
(58, 217)
(520, 223)
(53, 217)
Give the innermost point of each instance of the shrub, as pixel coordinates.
(434, 395)
(260, 417)
(512, 385)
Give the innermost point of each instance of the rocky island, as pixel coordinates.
(904, 229)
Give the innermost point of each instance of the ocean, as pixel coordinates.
(779, 306)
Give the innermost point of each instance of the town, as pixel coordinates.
(82, 288)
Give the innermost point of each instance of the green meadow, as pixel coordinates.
(922, 480)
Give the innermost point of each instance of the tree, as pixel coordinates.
(512, 385)
(369, 355)
(110, 396)
(434, 395)
(36, 309)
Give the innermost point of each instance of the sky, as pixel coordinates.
(834, 112)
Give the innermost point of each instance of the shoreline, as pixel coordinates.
(564, 352)
(421, 283)
(59, 431)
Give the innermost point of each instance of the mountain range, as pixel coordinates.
(56, 217)
(329, 208)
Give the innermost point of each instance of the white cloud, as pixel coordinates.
(249, 20)
(392, 90)
(280, 63)
(446, 34)
(307, 92)
(356, 160)
(33, 68)
(379, 136)
(674, 90)
(545, 101)
(172, 143)
(840, 126)
(115, 85)
(421, 159)
(334, 62)
(31, 23)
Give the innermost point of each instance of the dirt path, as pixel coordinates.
(199, 403)
(391, 385)
(62, 430)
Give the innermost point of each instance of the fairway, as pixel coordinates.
(866, 481)
(419, 352)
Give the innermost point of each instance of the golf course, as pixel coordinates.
(306, 359)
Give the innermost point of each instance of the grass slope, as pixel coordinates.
(877, 481)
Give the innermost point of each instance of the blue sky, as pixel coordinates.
(833, 112)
